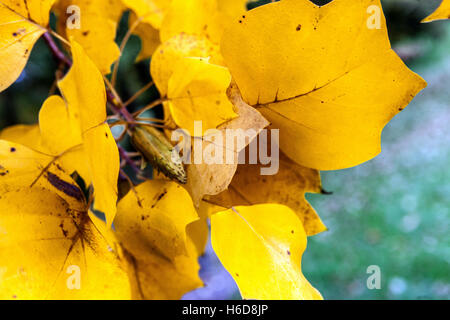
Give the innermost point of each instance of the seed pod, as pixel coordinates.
(157, 150)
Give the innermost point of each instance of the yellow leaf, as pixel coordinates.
(205, 18)
(61, 137)
(84, 91)
(162, 258)
(53, 137)
(198, 232)
(156, 218)
(48, 243)
(21, 166)
(441, 13)
(325, 76)
(213, 178)
(149, 11)
(21, 25)
(149, 37)
(263, 254)
(104, 163)
(97, 32)
(154, 277)
(232, 8)
(27, 135)
(193, 17)
(197, 92)
(170, 52)
(59, 133)
(35, 10)
(287, 187)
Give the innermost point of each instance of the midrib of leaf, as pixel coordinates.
(19, 39)
(268, 106)
(272, 248)
(25, 18)
(276, 101)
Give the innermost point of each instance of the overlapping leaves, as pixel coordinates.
(319, 74)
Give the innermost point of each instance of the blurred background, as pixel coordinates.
(392, 212)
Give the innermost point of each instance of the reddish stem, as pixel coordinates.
(57, 53)
(128, 160)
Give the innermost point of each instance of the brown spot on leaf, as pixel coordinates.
(65, 232)
(159, 198)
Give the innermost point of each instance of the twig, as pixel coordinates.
(149, 107)
(122, 47)
(138, 94)
(132, 187)
(128, 160)
(57, 53)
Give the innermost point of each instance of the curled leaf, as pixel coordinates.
(213, 178)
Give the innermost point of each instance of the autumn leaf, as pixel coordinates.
(55, 136)
(154, 213)
(97, 32)
(197, 91)
(193, 17)
(149, 11)
(152, 229)
(49, 237)
(233, 8)
(145, 21)
(21, 25)
(26, 135)
(263, 254)
(441, 13)
(198, 233)
(61, 137)
(74, 131)
(325, 76)
(213, 178)
(148, 35)
(168, 55)
(205, 18)
(287, 187)
(322, 76)
(84, 91)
